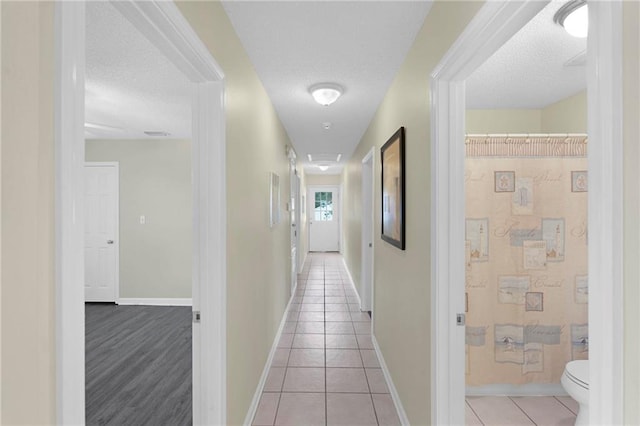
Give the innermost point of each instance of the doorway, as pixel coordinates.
(366, 285)
(492, 26)
(158, 21)
(324, 222)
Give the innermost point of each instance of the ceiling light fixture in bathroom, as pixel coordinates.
(574, 18)
(326, 93)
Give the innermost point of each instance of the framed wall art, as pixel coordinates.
(393, 193)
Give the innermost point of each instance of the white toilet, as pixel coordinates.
(575, 380)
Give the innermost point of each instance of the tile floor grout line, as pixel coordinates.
(474, 411)
(324, 315)
(521, 409)
(564, 405)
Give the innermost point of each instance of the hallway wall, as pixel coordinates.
(402, 290)
(155, 181)
(257, 256)
(27, 229)
(631, 224)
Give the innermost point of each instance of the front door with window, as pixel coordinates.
(324, 225)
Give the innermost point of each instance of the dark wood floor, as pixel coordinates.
(138, 365)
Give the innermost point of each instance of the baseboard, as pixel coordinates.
(265, 372)
(404, 420)
(353, 285)
(530, 389)
(155, 301)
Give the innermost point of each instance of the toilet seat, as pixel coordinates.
(578, 373)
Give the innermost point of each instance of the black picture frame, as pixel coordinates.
(392, 156)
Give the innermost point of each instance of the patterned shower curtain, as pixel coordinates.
(526, 257)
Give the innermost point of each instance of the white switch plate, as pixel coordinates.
(143, 220)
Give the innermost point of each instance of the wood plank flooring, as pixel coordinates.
(138, 365)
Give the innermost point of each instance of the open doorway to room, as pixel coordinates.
(526, 252)
(163, 25)
(366, 274)
(138, 227)
(493, 26)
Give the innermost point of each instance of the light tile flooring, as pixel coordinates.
(325, 371)
(524, 410)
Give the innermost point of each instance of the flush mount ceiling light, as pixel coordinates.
(325, 93)
(323, 168)
(574, 17)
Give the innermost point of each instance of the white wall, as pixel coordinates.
(155, 181)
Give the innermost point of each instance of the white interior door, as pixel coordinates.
(101, 232)
(366, 286)
(324, 221)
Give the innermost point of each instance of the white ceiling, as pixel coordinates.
(130, 86)
(359, 45)
(529, 71)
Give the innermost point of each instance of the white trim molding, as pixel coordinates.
(605, 207)
(529, 389)
(402, 415)
(164, 25)
(253, 407)
(154, 301)
(69, 211)
(493, 26)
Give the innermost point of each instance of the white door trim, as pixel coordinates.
(164, 25)
(366, 299)
(493, 25)
(116, 165)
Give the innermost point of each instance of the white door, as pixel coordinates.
(324, 224)
(366, 286)
(101, 232)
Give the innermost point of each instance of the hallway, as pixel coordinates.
(325, 371)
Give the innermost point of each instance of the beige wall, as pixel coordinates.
(258, 256)
(28, 364)
(504, 121)
(631, 135)
(566, 116)
(155, 181)
(402, 289)
(323, 180)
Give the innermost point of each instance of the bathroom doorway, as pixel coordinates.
(494, 24)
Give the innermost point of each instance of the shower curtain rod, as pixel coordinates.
(526, 135)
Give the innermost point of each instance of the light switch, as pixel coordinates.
(143, 220)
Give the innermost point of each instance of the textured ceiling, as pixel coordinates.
(358, 45)
(529, 71)
(130, 86)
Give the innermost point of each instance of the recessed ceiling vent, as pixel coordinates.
(157, 133)
(324, 158)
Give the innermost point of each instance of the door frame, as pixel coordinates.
(494, 24)
(312, 189)
(294, 211)
(115, 165)
(163, 23)
(366, 301)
